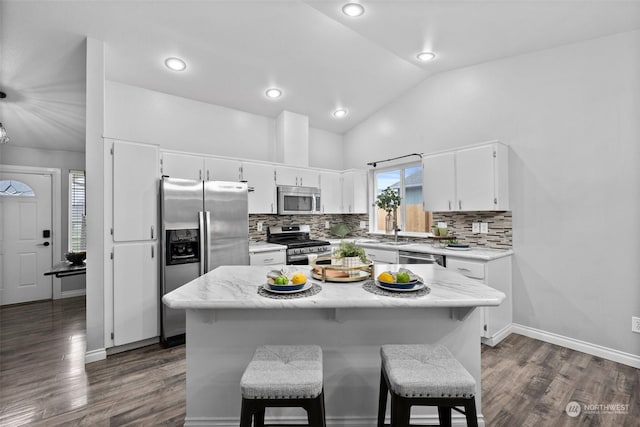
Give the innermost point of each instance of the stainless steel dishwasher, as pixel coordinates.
(406, 257)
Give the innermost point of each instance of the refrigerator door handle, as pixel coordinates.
(207, 224)
(202, 236)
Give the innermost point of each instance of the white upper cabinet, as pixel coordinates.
(354, 192)
(135, 191)
(482, 178)
(296, 177)
(185, 166)
(331, 192)
(439, 182)
(262, 189)
(222, 169)
(469, 179)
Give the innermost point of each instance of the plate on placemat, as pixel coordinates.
(408, 287)
(279, 290)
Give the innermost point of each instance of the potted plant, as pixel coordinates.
(351, 255)
(389, 200)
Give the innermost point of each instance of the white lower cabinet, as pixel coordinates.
(497, 274)
(135, 292)
(268, 258)
(382, 256)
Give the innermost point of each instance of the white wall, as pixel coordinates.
(65, 161)
(570, 115)
(136, 114)
(325, 149)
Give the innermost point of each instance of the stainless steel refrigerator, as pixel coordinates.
(205, 224)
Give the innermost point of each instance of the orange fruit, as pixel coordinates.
(298, 278)
(385, 277)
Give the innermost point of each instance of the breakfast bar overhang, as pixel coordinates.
(227, 319)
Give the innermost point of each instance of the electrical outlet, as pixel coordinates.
(484, 227)
(363, 224)
(327, 225)
(259, 226)
(635, 324)
(475, 227)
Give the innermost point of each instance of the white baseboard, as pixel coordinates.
(499, 336)
(73, 293)
(628, 359)
(331, 421)
(95, 355)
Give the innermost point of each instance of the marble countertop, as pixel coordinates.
(479, 253)
(234, 287)
(255, 247)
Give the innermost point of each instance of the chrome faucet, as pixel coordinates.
(395, 225)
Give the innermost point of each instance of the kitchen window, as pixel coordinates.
(407, 180)
(77, 212)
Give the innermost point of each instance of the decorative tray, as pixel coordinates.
(322, 269)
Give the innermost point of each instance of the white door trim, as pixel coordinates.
(56, 209)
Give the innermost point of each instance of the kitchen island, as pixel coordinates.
(227, 319)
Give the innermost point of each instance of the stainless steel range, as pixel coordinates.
(299, 244)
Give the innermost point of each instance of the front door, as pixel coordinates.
(25, 251)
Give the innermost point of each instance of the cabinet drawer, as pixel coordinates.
(268, 258)
(382, 256)
(471, 269)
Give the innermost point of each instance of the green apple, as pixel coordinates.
(403, 277)
(281, 280)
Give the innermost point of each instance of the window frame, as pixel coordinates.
(73, 173)
(402, 211)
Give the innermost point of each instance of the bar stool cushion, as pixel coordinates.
(283, 372)
(426, 371)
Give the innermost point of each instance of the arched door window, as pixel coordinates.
(15, 188)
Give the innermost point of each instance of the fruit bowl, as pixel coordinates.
(289, 287)
(279, 280)
(76, 258)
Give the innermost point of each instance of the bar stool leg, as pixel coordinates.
(470, 413)
(444, 415)
(382, 399)
(258, 417)
(315, 411)
(245, 414)
(400, 412)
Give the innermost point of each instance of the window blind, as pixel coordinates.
(77, 212)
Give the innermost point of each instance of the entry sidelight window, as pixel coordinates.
(77, 212)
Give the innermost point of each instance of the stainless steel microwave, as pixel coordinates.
(298, 200)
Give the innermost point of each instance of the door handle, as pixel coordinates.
(44, 244)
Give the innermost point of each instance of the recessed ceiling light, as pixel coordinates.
(426, 56)
(353, 9)
(273, 93)
(175, 64)
(340, 113)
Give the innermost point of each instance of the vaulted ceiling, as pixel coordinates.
(235, 50)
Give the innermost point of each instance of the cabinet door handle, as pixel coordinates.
(152, 232)
(449, 204)
(207, 174)
(460, 204)
(152, 252)
(266, 260)
(200, 174)
(463, 269)
(271, 207)
(301, 181)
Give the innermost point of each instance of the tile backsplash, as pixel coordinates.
(459, 224)
(317, 223)
(500, 234)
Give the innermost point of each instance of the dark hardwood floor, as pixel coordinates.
(44, 382)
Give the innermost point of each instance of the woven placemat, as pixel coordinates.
(370, 286)
(314, 289)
